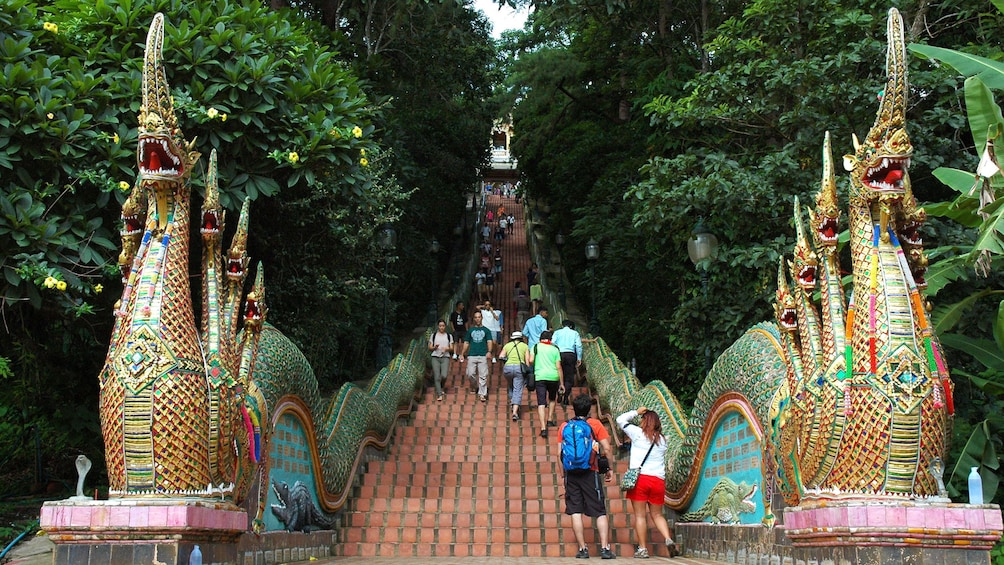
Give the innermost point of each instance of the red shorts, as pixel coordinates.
(649, 489)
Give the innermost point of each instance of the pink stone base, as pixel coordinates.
(885, 522)
(142, 519)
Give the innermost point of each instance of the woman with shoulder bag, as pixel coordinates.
(514, 355)
(648, 464)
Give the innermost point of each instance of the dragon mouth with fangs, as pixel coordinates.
(159, 158)
(828, 230)
(210, 223)
(887, 175)
(807, 277)
(788, 319)
(131, 225)
(235, 269)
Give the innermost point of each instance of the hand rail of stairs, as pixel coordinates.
(611, 382)
(363, 417)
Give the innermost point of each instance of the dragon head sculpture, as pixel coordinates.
(805, 263)
(164, 157)
(825, 219)
(879, 166)
(784, 303)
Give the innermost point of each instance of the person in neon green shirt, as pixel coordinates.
(547, 374)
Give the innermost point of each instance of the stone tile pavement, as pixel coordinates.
(489, 560)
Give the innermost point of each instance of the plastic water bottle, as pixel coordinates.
(975, 486)
(196, 557)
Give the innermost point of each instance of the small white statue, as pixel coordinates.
(83, 466)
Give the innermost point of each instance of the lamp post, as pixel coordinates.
(387, 240)
(433, 252)
(702, 247)
(592, 254)
(559, 240)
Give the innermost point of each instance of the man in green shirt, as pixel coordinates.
(478, 346)
(546, 361)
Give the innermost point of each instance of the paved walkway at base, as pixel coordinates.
(490, 560)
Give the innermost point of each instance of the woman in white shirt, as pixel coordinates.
(649, 494)
(440, 346)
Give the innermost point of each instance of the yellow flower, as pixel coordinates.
(61, 285)
(223, 117)
(212, 113)
(123, 185)
(48, 26)
(49, 282)
(98, 288)
(51, 116)
(357, 131)
(334, 133)
(362, 152)
(364, 162)
(115, 138)
(294, 156)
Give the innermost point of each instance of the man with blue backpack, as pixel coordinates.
(586, 474)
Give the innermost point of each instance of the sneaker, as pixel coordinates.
(440, 398)
(543, 433)
(641, 553)
(454, 356)
(584, 552)
(483, 398)
(605, 553)
(515, 417)
(672, 547)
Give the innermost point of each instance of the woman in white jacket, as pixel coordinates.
(649, 494)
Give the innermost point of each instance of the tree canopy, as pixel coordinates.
(330, 136)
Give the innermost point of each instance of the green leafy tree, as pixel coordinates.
(290, 121)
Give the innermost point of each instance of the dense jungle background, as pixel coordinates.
(632, 119)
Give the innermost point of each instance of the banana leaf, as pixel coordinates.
(983, 350)
(992, 230)
(999, 326)
(990, 387)
(984, 114)
(946, 316)
(989, 71)
(945, 271)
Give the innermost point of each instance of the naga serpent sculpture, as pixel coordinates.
(187, 410)
(848, 396)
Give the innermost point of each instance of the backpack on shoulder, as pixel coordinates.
(576, 445)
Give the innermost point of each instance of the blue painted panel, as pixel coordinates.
(289, 462)
(735, 453)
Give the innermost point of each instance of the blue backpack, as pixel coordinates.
(576, 445)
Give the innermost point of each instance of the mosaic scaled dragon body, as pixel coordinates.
(187, 410)
(846, 396)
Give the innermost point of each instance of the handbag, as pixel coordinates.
(527, 371)
(630, 478)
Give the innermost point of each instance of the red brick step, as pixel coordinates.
(462, 479)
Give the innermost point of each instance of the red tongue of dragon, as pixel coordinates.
(154, 162)
(894, 176)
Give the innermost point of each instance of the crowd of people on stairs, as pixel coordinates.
(546, 364)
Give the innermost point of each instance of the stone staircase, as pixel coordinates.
(463, 479)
